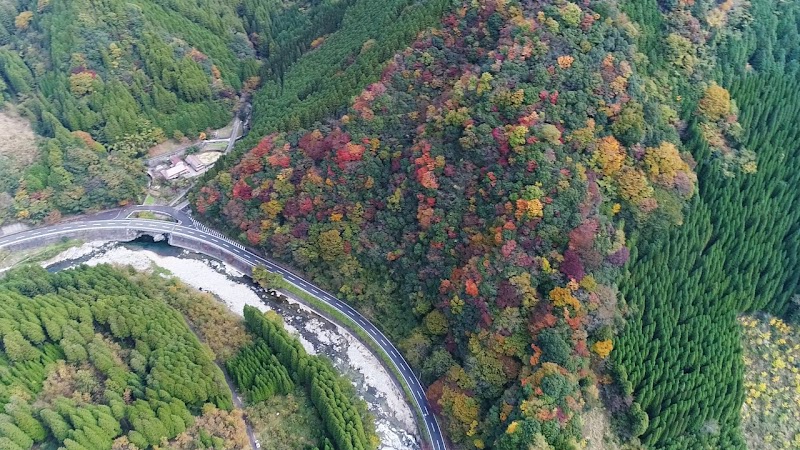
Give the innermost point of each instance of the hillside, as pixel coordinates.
(737, 251)
(483, 183)
(103, 81)
(120, 70)
(89, 359)
(487, 195)
(97, 358)
(553, 208)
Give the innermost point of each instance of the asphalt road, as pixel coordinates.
(187, 228)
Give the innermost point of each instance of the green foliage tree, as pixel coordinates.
(70, 382)
(713, 258)
(338, 410)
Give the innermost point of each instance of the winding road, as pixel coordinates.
(188, 228)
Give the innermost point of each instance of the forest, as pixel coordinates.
(104, 81)
(96, 358)
(737, 252)
(463, 186)
(90, 361)
(553, 208)
(576, 201)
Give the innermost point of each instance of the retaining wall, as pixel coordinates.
(83, 235)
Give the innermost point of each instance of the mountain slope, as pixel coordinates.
(679, 358)
(472, 202)
(103, 81)
(115, 68)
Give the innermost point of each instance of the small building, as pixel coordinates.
(196, 163)
(175, 159)
(175, 171)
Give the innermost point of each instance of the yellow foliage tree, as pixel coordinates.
(583, 136)
(551, 134)
(589, 283)
(681, 52)
(562, 296)
(512, 427)
(272, 208)
(571, 14)
(716, 102)
(664, 162)
(546, 268)
(81, 83)
(23, 20)
(485, 82)
(516, 136)
(436, 323)
(463, 408)
(603, 348)
(529, 208)
(331, 245)
(633, 185)
(609, 155)
(565, 62)
(619, 85)
(523, 284)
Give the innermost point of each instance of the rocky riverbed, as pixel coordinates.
(393, 416)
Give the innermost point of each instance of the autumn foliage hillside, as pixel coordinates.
(472, 202)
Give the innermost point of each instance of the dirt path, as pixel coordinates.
(237, 402)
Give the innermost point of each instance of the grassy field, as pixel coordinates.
(222, 133)
(168, 146)
(286, 422)
(152, 216)
(215, 146)
(17, 140)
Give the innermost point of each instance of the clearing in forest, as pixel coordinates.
(771, 409)
(17, 141)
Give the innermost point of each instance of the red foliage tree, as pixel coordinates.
(572, 266)
(434, 394)
(348, 153)
(254, 236)
(263, 147)
(242, 190)
(581, 238)
(507, 295)
(281, 160)
(312, 145)
(250, 164)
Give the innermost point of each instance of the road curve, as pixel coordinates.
(187, 228)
